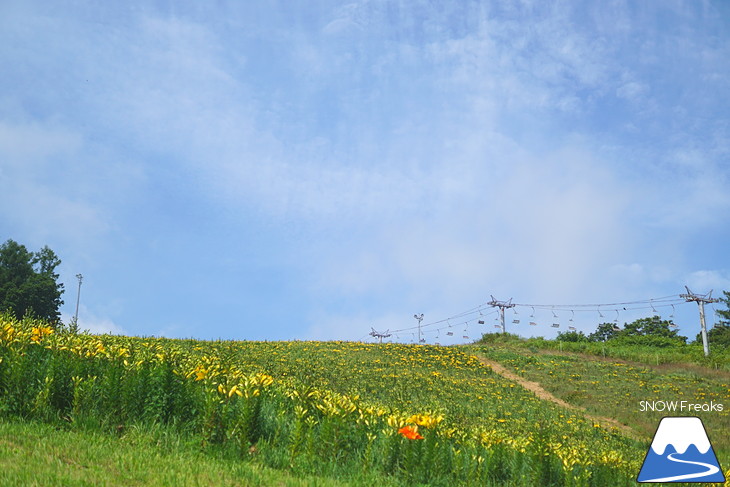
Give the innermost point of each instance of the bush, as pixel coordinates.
(488, 338)
(571, 336)
(648, 341)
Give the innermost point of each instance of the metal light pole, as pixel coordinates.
(420, 319)
(78, 296)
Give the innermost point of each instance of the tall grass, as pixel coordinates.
(407, 414)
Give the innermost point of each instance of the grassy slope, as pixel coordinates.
(410, 378)
(36, 454)
(614, 388)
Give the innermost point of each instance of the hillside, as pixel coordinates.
(348, 412)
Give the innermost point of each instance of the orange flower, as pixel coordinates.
(410, 432)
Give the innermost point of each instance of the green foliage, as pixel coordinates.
(330, 409)
(28, 282)
(724, 313)
(717, 336)
(499, 338)
(651, 331)
(653, 341)
(571, 336)
(653, 326)
(604, 332)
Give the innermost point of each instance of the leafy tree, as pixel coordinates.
(571, 336)
(724, 313)
(654, 326)
(718, 335)
(28, 282)
(603, 333)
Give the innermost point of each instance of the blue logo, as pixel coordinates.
(681, 452)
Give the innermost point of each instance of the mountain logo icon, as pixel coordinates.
(680, 452)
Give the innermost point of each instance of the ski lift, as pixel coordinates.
(481, 322)
(437, 344)
(673, 325)
(497, 326)
(571, 328)
(422, 340)
(450, 333)
(466, 337)
(616, 328)
(532, 323)
(556, 324)
(516, 321)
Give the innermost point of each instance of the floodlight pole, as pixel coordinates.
(78, 297)
(701, 300)
(420, 319)
(501, 305)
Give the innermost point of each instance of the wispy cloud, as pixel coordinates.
(393, 154)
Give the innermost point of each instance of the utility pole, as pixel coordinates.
(501, 305)
(420, 319)
(701, 300)
(78, 296)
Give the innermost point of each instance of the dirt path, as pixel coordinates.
(541, 393)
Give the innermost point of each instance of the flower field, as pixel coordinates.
(404, 414)
(616, 388)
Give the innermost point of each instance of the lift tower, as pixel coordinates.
(701, 299)
(501, 305)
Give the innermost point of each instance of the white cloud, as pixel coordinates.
(703, 281)
(631, 90)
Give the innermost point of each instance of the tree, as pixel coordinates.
(28, 282)
(718, 335)
(654, 326)
(604, 332)
(652, 331)
(571, 336)
(724, 313)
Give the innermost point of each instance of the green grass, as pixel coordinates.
(156, 411)
(692, 353)
(615, 389)
(37, 454)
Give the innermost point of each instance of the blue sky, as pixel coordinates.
(288, 170)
